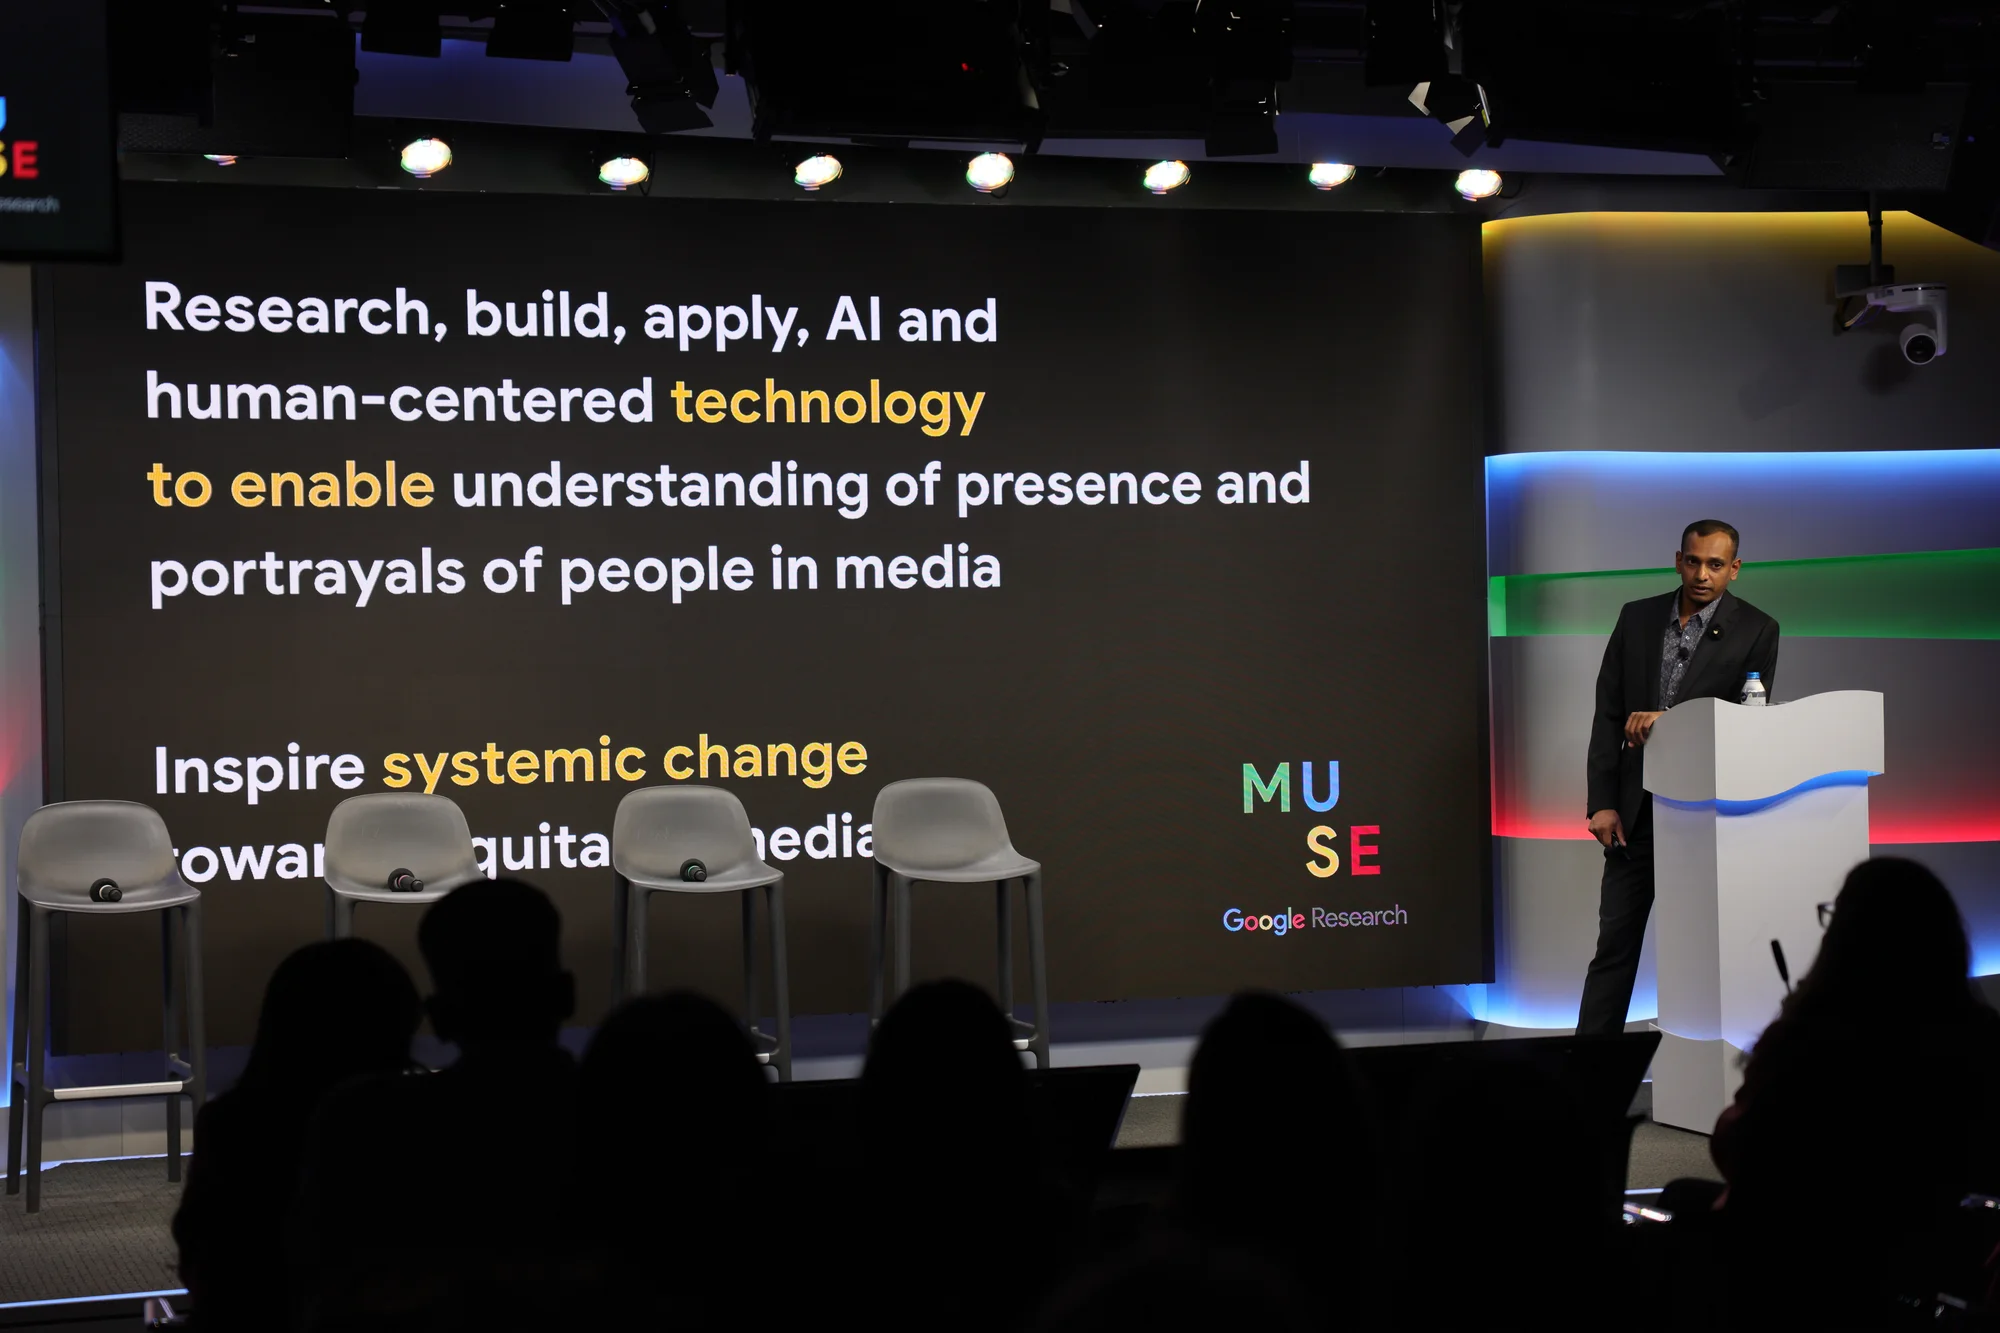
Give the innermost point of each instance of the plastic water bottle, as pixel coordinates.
(1753, 692)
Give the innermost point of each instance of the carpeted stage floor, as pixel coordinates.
(102, 1230)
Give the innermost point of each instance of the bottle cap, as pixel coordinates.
(1751, 676)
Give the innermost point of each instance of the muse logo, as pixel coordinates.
(21, 158)
(1361, 854)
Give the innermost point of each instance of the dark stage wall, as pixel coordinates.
(1265, 589)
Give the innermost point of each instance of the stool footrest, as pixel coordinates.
(161, 1089)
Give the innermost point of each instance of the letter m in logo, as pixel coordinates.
(1279, 788)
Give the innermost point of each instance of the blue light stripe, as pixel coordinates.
(94, 1300)
(1620, 510)
(1851, 777)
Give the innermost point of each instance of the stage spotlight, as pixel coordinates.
(622, 173)
(936, 70)
(668, 70)
(1327, 175)
(402, 28)
(1478, 183)
(532, 30)
(221, 159)
(1164, 176)
(818, 170)
(424, 158)
(989, 172)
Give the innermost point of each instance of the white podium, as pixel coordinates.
(1758, 815)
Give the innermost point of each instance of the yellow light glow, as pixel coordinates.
(1164, 176)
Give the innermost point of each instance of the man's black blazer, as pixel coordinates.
(1740, 639)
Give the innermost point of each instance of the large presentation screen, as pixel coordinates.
(1164, 524)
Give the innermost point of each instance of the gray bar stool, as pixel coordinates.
(656, 832)
(65, 849)
(369, 838)
(950, 831)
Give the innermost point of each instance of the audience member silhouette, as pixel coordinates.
(1281, 1157)
(958, 1210)
(515, 1188)
(440, 1200)
(680, 1221)
(333, 1011)
(1868, 1108)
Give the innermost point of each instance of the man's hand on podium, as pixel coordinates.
(1607, 828)
(1638, 727)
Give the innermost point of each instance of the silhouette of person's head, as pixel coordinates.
(943, 1082)
(683, 1067)
(494, 953)
(1896, 942)
(335, 1010)
(1267, 1081)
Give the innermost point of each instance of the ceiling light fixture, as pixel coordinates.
(1327, 175)
(1478, 183)
(424, 158)
(989, 172)
(821, 169)
(622, 173)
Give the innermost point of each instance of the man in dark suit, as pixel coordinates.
(1698, 642)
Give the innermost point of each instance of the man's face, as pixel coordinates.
(1708, 565)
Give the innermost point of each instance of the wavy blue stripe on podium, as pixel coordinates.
(1847, 777)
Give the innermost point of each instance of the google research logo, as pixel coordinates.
(1319, 918)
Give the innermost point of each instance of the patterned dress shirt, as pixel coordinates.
(1678, 646)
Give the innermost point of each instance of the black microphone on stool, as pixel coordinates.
(1784, 973)
(402, 881)
(693, 871)
(105, 891)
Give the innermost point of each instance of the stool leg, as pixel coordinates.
(196, 1004)
(339, 915)
(1038, 968)
(637, 979)
(38, 1024)
(878, 930)
(17, 1105)
(621, 900)
(1003, 908)
(751, 999)
(903, 884)
(781, 1058)
(170, 1022)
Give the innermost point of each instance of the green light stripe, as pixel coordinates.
(1909, 595)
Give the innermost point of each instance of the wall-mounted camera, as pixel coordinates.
(1923, 338)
